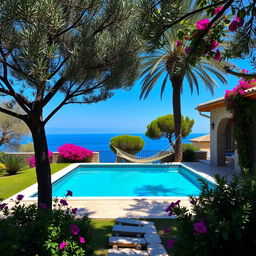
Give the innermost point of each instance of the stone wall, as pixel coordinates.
(56, 157)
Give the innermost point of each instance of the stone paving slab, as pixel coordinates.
(156, 250)
(133, 222)
(126, 252)
(152, 238)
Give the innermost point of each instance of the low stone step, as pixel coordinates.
(133, 230)
(156, 250)
(152, 238)
(126, 252)
(127, 242)
(134, 222)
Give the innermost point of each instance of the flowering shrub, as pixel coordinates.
(243, 111)
(32, 160)
(29, 230)
(71, 152)
(221, 222)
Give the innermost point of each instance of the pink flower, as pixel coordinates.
(166, 230)
(178, 43)
(74, 153)
(186, 37)
(187, 50)
(236, 23)
(193, 201)
(218, 10)
(62, 245)
(202, 24)
(43, 205)
(214, 44)
(170, 243)
(32, 160)
(63, 202)
(19, 197)
(81, 240)
(69, 193)
(74, 229)
(74, 210)
(217, 55)
(200, 227)
(245, 71)
(3, 206)
(177, 203)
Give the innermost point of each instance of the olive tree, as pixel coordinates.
(79, 49)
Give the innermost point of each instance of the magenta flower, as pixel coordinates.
(214, 44)
(178, 43)
(32, 160)
(218, 10)
(200, 227)
(74, 210)
(193, 201)
(202, 24)
(43, 205)
(166, 230)
(74, 229)
(62, 245)
(217, 55)
(81, 240)
(63, 202)
(3, 206)
(69, 193)
(170, 243)
(236, 23)
(187, 50)
(245, 71)
(177, 203)
(74, 153)
(186, 37)
(19, 197)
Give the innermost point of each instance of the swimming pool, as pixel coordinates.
(128, 180)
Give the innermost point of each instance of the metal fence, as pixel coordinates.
(110, 157)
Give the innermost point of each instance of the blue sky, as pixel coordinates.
(125, 113)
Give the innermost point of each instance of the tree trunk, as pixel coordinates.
(43, 169)
(176, 84)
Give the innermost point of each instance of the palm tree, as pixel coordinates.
(169, 62)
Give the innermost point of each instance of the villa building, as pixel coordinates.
(222, 143)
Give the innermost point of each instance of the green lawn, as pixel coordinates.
(12, 184)
(103, 227)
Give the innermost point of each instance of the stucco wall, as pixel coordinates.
(56, 157)
(216, 116)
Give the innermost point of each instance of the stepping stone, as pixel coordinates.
(150, 228)
(126, 252)
(133, 222)
(129, 230)
(137, 243)
(156, 250)
(152, 238)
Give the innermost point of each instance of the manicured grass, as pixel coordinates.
(103, 227)
(12, 184)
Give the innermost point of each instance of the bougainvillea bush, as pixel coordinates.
(222, 220)
(74, 153)
(243, 111)
(32, 160)
(30, 231)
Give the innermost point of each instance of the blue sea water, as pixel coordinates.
(100, 142)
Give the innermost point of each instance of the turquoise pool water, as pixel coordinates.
(127, 180)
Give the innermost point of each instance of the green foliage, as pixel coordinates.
(243, 110)
(227, 212)
(127, 143)
(12, 163)
(29, 147)
(163, 126)
(186, 146)
(12, 129)
(189, 152)
(28, 230)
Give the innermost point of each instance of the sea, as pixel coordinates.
(100, 143)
